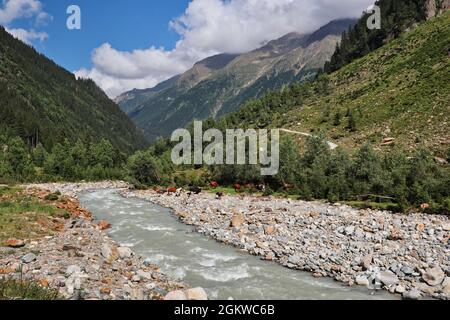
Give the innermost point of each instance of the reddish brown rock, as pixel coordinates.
(104, 225)
(14, 243)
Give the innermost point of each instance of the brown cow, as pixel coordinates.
(237, 187)
(213, 184)
(172, 190)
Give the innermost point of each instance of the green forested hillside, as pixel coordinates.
(220, 84)
(43, 103)
(397, 95)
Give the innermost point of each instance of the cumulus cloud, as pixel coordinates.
(209, 27)
(27, 36)
(11, 10)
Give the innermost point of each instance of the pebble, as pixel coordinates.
(29, 257)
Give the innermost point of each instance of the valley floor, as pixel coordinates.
(407, 255)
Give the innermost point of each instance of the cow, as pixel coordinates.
(213, 184)
(195, 190)
(179, 192)
(287, 186)
(219, 195)
(237, 187)
(261, 187)
(171, 190)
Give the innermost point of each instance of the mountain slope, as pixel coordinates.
(219, 84)
(43, 103)
(396, 95)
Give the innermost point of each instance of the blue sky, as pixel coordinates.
(127, 44)
(103, 21)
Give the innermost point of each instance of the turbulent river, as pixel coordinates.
(156, 234)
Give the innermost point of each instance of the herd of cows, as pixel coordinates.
(193, 190)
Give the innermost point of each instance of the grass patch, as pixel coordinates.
(25, 216)
(25, 290)
(386, 206)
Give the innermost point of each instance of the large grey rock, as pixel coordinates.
(434, 276)
(29, 257)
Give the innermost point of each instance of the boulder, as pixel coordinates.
(434, 276)
(197, 294)
(388, 278)
(176, 295)
(237, 220)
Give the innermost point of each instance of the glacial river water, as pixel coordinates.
(155, 233)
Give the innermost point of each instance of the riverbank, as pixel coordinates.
(407, 255)
(77, 257)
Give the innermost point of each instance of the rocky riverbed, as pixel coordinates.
(407, 255)
(81, 261)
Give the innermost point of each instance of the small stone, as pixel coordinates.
(362, 281)
(105, 291)
(237, 220)
(197, 294)
(400, 289)
(388, 278)
(367, 261)
(72, 269)
(144, 275)
(295, 259)
(349, 230)
(407, 271)
(412, 295)
(104, 225)
(28, 258)
(109, 252)
(434, 276)
(420, 227)
(177, 295)
(446, 286)
(137, 295)
(124, 252)
(269, 230)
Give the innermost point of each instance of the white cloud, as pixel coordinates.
(12, 10)
(214, 26)
(27, 36)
